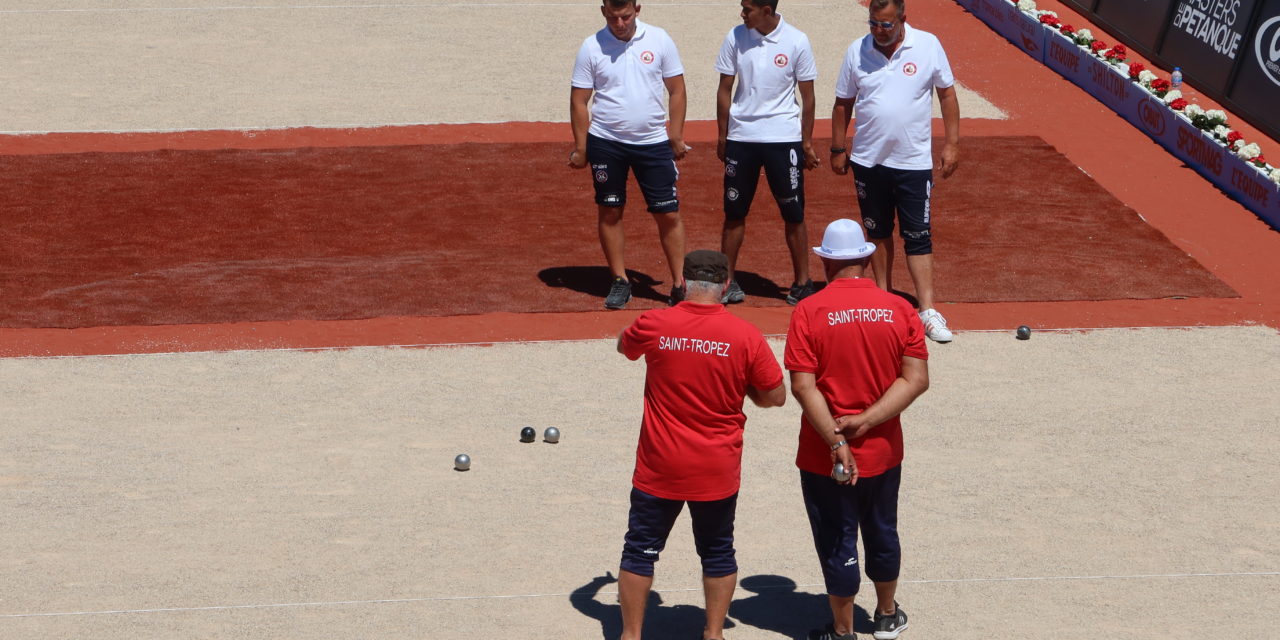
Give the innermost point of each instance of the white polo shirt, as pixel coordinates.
(768, 67)
(894, 99)
(627, 77)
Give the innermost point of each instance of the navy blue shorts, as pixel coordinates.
(837, 512)
(783, 164)
(882, 191)
(650, 522)
(653, 164)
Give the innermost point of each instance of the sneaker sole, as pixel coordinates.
(890, 635)
(734, 299)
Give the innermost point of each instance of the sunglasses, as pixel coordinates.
(883, 25)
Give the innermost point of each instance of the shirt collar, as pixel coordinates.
(776, 34)
(852, 283)
(700, 308)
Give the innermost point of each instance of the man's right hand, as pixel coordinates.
(720, 149)
(845, 457)
(577, 159)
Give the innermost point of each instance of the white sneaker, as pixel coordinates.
(935, 326)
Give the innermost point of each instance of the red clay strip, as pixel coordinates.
(1217, 232)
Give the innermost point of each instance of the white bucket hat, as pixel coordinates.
(843, 240)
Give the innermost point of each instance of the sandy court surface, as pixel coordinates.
(134, 65)
(1052, 490)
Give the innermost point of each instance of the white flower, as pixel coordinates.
(1084, 34)
(1235, 146)
(1249, 151)
(1172, 95)
(1217, 116)
(1275, 176)
(1145, 77)
(1027, 5)
(1221, 131)
(1193, 110)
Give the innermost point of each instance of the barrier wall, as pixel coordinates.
(1111, 86)
(1227, 49)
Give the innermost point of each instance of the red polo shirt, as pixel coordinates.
(700, 359)
(852, 336)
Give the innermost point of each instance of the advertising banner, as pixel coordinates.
(1205, 37)
(1141, 20)
(1065, 57)
(1256, 90)
(1017, 27)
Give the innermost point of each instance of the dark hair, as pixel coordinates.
(617, 4)
(877, 5)
(772, 4)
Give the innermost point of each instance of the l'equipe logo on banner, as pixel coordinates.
(1267, 45)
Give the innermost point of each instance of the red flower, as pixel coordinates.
(1160, 84)
(1234, 136)
(1135, 69)
(1120, 49)
(1178, 105)
(1098, 45)
(1260, 160)
(1117, 53)
(1066, 28)
(1050, 20)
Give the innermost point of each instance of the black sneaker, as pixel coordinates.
(734, 295)
(619, 294)
(799, 292)
(830, 634)
(676, 297)
(890, 627)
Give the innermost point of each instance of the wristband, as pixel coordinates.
(838, 445)
(838, 149)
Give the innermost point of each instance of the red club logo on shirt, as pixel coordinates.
(909, 68)
(646, 57)
(780, 60)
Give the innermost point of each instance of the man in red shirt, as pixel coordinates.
(857, 359)
(701, 362)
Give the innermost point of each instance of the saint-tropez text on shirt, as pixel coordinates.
(694, 345)
(859, 315)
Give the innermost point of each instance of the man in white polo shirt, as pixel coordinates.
(888, 78)
(627, 66)
(761, 125)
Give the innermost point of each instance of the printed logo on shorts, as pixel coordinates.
(871, 224)
(780, 60)
(909, 68)
(795, 160)
(602, 176)
(730, 167)
(646, 57)
(731, 194)
(795, 177)
(862, 189)
(612, 199)
(851, 562)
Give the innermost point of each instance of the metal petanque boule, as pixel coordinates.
(551, 435)
(462, 462)
(1024, 332)
(528, 434)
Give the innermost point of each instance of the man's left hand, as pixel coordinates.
(810, 157)
(950, 159)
